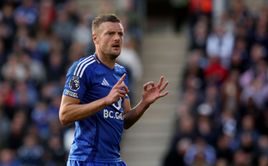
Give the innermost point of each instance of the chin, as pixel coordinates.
(115, 55)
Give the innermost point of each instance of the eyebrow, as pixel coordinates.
(111, 31)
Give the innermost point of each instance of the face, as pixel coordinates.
(108, 39)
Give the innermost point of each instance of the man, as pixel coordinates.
(95, 98)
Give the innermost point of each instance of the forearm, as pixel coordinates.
(132, 116)
(70, 112)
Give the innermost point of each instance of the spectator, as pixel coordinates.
(13, 70)
(240, 57)
(200, 34)
(47, 14)
(7, 99)
(181, 142)
(25, 96)
(55, 65)
(31, 153)
(34, 68)
(56, 152)
(4, 127)
(220, 44)
(215, 72)
(10, 25)
(40, 118)
(200, 153)
(223, 148)
(256, 86)
(230, 91)
(17, 130)
(193, 74)
(26, 14)
(63, 27)
(7, 157)
(3, 55)
(263, 160)
(82, 32)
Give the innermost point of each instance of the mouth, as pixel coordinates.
(116, 46)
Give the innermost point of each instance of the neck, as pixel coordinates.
(106, 60)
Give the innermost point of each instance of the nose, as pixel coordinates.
(117, 37)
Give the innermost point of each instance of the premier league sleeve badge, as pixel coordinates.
(74, 83)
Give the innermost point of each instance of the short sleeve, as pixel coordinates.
(75, 86)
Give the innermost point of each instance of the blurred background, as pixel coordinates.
(213, 53)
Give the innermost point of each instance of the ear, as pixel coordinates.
(94, 37)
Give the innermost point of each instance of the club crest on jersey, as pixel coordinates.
(74, 83)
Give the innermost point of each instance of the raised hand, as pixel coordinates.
(152, 91)
(119, 90)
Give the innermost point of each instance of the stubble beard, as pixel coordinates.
(110, 54)
(113, 56)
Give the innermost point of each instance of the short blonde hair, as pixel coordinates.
(98, 20)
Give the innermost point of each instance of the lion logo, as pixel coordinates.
(74, 83)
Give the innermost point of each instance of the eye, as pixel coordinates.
(120, 34)
(110, 33)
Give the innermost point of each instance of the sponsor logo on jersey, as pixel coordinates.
(112, 114)
(105, 82)
(70, 93)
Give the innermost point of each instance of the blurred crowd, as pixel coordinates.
(222, 118)
(38, 42)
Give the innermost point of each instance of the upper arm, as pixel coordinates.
(74, 90)
(67, 100)
(63, 111)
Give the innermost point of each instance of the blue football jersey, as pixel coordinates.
(96, 137)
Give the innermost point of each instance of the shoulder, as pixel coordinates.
(79, 67)
(120, 68)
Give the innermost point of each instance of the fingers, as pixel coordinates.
(163, 94)
(119, 90)
(122, 93)
(160, 82)
(148, 85)
(163, 87)
(124, 87)
(120, 83)
(121, 79)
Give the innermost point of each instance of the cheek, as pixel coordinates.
(104, 42)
